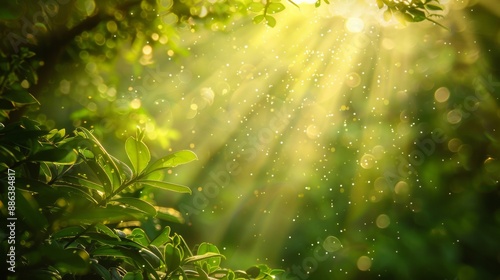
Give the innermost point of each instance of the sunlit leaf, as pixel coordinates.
(258, 19)
(80, 181)
(106, 230)
(138, 154)
(138, 235)
(169, 214)
(271, 21)
(162, 238)
(97, 148)
(274, 8)
(138, 204)
(205, 256)
(166, 186)
(172, 160)
(101, 175)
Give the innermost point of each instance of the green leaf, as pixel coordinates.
(68, 232)
(82, 182)
(271, 21)
(166, 186)
(139, 204)
(418, 15)
(258, 19)
(209, 255)
(126, 253)
(207, 248)
(162, 238)
(106, 230)
(138, 154)
(58, 156)
(173, 160)
(27, 207)
(274, 8)
(20, 96)
(72, 260)
(172, 257)
(101, 270)
(169, 214)
(380, 4)
(100, 173)
(253, 271)
(151, 258)
(433, 7)
(137, 275)
(138, 235)
(71, 191)
(203, 257)
(110, 214)
(106, 160)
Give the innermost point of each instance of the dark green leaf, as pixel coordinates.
(172, 257)
(433, 7)
(253, 271)
(59, 156)
(20, 96)
(101, 270)
(68, 232)
(137, 275)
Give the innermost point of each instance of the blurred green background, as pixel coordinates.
(336, 145)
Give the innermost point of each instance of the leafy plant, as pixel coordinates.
(74, 204)
(411, 10)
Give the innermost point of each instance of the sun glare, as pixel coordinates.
(315, 98)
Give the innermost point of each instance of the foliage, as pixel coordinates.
(411, 11)
(74, 203)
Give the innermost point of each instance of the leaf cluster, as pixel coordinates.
(77, 218)
(411, 10)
